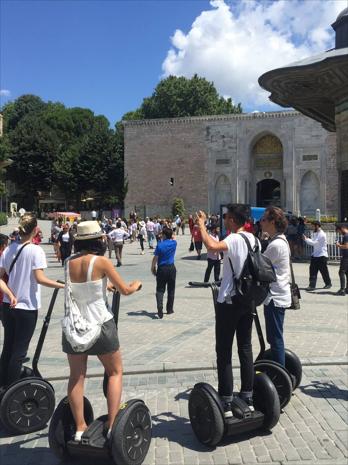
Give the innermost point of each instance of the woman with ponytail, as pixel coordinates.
(24, 263)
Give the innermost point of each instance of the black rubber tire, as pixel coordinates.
(205, 417)
(27, 405)
(279, 377)
(292, 364)
(131, 434)
(62, 426)
(266, 400)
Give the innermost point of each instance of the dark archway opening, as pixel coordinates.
(268, 193)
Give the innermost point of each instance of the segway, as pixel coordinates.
(28, 403)
(285, 379)
(130, 436)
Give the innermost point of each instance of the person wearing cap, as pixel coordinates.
(318, 258)
(142, 235)
(343, 246)
(88, 273)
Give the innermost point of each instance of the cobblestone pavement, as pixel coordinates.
(313, 428)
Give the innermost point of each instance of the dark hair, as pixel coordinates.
(118, 224)
(316, 223)
(3, 240)
(239, 212)
(95, 246)
(278, 216)
(167, 232)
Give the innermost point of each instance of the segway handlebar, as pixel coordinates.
(201, 284)
(44, 331)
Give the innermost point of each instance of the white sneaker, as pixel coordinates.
(78, 436)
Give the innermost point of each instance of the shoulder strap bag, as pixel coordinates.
(16, 257)
(294, 289)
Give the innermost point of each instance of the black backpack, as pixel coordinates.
(257, 273)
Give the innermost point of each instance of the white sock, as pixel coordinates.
(78, 436)
(108, 434)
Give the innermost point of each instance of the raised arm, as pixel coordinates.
(208, 241)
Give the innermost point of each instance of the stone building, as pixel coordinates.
(280, 158)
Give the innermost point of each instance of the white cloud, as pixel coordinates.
(233, 45)
(5, 93)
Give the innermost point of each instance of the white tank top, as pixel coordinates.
(91, 297)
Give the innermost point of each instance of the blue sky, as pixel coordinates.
(109, 55)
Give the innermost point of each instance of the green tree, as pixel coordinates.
(178, 207)
(180, 96)
(14, 112)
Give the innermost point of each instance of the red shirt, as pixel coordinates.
(196, 234)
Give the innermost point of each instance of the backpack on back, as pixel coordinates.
(252, 286)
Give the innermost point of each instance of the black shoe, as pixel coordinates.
(328, 286)
(341, 292)
(160, 314)
(250, 403)
(346, 290)
(227, 410)
(169, 312)
(310, 288)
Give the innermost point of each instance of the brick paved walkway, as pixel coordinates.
(313, 428)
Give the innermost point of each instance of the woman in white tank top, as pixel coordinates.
(88, 272)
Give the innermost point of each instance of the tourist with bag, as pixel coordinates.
(279, 299)
(88, 325)
(24, 263)
(231, 316)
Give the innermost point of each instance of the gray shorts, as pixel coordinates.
(107, 342)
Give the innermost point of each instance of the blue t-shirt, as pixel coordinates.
(165, 251)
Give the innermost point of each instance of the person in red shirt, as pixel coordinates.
(197, 239)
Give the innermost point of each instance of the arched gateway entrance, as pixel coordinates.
(267, 172)
(268, 193)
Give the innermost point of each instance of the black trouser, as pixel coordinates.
(231, 319)
(318, 264)
(141, 240)
(343, 273)
(19, 326)
(166, 275)
(212, 264)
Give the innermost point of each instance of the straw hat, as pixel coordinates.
(88, 230)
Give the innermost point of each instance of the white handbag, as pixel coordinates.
(79, 332)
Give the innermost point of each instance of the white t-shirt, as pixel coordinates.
(279, 253)
(237, 252)
(66, 237)
(22, 281)
(319, 244)
(117, 235)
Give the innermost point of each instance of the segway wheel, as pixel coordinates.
(205, 416)
(27, 405)
(62, 426)
(292, 364)
(266, 399)
(131, 433)
(279, 377)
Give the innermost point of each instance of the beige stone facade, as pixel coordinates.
(281, 158)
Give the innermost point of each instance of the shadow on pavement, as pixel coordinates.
(194, 256)
(326, 390)
(152, 315)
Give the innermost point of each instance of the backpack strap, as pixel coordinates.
(90, 268)
(291, 268)
(16, 257)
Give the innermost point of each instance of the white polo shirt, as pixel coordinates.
(319, 244)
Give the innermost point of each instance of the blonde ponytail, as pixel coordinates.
(27, 224)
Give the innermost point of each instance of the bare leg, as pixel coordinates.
(113, 367)
(78, 368)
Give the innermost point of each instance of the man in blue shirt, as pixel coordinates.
(164, 269)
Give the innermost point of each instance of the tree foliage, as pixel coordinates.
(178, 207)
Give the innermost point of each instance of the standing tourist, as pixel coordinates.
(87, 273)
(197, 239)
(274, 223)
(343, 246)
(213, 258)
(150, 226)
(230, 316)
(24, 263)
(164, 269)
(142, 235)
(319, 257)
(65, 242)
(191, 223)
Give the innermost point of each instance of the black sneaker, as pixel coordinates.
(328, 286)
(346, 290)
(310, 288)
(160, 314)
(250, 403)
(341, 292)
(228, 410)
